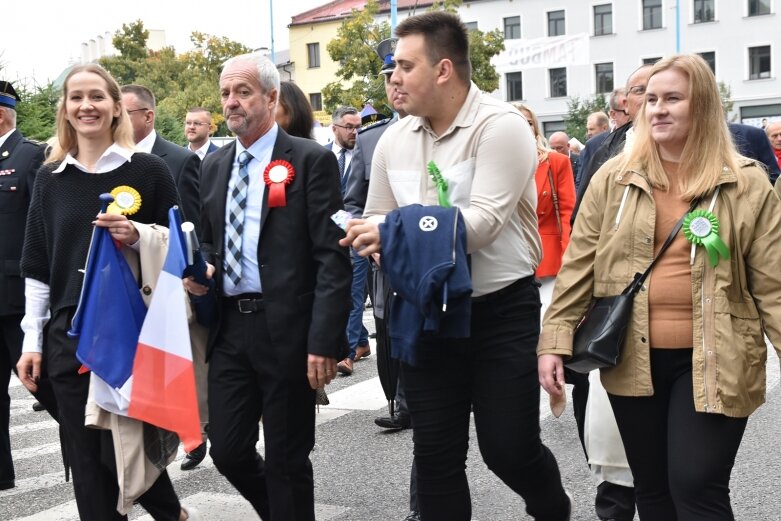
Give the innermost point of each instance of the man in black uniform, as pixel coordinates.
(19, 160)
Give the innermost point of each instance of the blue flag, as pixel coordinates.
(110, 313)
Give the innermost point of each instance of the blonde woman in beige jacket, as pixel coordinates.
(692, 367)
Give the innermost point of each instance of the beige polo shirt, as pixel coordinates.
(488, 158)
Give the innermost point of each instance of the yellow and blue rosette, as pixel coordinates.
(701, 228)
(127, 200)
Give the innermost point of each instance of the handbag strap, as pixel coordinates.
(639, 279)
(555, 199)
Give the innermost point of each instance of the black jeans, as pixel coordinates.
(494, 373)
(91, 451)
(681, 459)
(248, 380)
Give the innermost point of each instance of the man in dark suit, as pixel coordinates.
(183, 164)
(19, 161)
(752, 142)
(283, 285)
(198, 127)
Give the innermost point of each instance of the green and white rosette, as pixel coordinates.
(701, 228)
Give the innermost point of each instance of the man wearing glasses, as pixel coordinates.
(197, 129)
(345, 123)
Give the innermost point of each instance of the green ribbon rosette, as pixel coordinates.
(701, 228)
(440, 183)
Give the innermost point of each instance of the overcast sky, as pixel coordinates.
(39, 40)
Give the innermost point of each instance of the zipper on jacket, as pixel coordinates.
(453, 256)
(702, 307)
(621, 207)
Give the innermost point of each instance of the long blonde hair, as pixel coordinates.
(66, 140)
(709, 147)
(539, 139)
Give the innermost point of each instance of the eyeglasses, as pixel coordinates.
(135, 110)
(349, 128)
(194, 124)
(637, 90)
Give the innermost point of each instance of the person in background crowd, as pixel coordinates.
(773, 132)
(596, 123)
(555, 200)
(284, 293)
(93, 155)
(484, 151)
(294, 113)
(346, 122)
(560, 142)
(198, 127)
(681, 410)
(753, 143)
(19, 161)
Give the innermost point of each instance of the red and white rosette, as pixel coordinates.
(278, 174)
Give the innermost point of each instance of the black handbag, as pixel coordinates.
(600, 334)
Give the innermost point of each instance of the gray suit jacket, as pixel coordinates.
(360, 167)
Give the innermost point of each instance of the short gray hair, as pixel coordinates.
(342, 112)
(615, 98)
(268, 75)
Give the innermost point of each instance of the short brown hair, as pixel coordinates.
(446, 38)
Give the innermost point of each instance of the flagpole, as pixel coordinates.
(271, 13)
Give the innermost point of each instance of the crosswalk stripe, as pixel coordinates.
(35, 426)
(35, 451)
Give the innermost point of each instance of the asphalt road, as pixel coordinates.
(362, 472)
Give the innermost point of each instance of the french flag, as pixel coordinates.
(163, 387)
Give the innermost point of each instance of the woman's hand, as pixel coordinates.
(551, 373)
(121, 228)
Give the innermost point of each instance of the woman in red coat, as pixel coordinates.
(555, 201)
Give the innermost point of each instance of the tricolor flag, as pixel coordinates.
(163, 391)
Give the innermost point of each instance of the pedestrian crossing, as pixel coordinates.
(42, 495)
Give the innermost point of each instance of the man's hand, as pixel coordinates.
(320, 370)
(196, 289)
(29, 369)
(551, 374)
(363, 236)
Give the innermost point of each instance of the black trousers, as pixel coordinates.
(494, 373)
(91, 451)
(11, 337)
(681, 459)
(247, 380)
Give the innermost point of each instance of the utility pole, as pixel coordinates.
(271, 15)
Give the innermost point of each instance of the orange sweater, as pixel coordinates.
(669, 287)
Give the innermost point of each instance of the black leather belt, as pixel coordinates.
(518, 284)
(245, 303)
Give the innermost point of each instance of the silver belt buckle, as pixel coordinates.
(248, 302)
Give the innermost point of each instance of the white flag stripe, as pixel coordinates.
(160, 333)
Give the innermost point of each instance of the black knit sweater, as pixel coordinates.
(62, 208)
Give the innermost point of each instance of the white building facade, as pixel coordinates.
(739, 38)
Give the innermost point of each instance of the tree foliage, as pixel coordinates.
(577, 112)
(357, 81)
(36, 111)
(725, 92)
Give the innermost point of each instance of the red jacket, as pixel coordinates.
(554, 240)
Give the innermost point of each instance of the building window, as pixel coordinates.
(604, 77)
(651, 61)
(558, 82)
(514, 86)
(313, 52)
(652, 14)
(512, 28)
(556, 23)
(471, 26)
(549, 127)
(759, 62)
(603, 19)
(704, 11)
(758, 7)
(316, 100)
(710, 59)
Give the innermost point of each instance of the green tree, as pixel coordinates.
(726, 100)
(36, 111)
(131, 40)
(578, 111)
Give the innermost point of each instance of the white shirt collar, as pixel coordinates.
(5, 136)
(146, 144)
(113, 157)
(201, 152)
